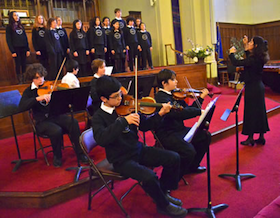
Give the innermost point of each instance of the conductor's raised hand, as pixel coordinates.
(166, 107)
(133, 119)
(232, 49)
(245, 40)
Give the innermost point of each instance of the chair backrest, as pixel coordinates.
(87, 140)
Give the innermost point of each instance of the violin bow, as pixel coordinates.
(60, 69)
(191, 89)
(136, 86)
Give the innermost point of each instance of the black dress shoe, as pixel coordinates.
(83, 158)
(260, 141)
(248, 142)
(57, 162)
(173, 210)
(199, 169)
(173, 200)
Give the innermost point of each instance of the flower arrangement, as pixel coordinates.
(198, 52)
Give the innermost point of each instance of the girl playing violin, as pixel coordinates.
(128, 156)
(53, 127)
(172, 130)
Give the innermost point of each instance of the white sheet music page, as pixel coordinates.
(188, 137)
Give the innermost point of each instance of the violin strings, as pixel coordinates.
(191, 89)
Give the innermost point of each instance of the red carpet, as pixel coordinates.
(262, 161)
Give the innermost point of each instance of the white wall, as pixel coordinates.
(246, 11)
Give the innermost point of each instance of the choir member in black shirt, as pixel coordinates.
(54, 49)
(97, 40)
(118, 135)
(118, 17)
(255, 118)
(51, 126)
(137, 24)
(17, 42)
(79, 46)
(131, 41)
(145, 42)
(38, 40)
(63, 36)
(172, 130)
(107, 28)
(117, 47)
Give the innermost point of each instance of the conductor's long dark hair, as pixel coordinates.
(12, 21)
(260, 49)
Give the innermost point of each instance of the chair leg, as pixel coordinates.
(35, 146)
(125, 194)
(186, 183)
(41, 148)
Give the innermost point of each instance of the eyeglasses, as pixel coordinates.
(116, 96)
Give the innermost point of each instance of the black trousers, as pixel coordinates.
(55, 127)
(43, 58)
(146, 56)
(191, 154)
(137, 168)
(20, 60)
(132, 52)
(55, 59)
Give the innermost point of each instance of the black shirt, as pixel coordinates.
(63, 38)
(130, 36)
(38, 39)
(28, 101)
(53, 42)
(116, 41)
(16, 38)
(174, 120)
(110, 132)
(78, 41)
(144, 39)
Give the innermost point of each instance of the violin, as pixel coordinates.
(181, 94)
(49, 86)
(146, 105)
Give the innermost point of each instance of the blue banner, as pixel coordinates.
(219, 48)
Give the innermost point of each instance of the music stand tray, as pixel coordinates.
(224, 117)
(9, 102)
(70, 101)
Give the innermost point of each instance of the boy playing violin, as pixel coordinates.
(118, 135)
(172, 130)
(53, 127)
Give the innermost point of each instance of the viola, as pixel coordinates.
(146, 105)
(181, 94)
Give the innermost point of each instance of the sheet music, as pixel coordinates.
(188, 137)
(108, 70)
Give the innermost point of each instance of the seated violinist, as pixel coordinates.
(118, 135)
(53, 127)
(172, 130)
(70, 78)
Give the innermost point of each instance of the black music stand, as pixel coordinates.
(204, 125)
(145, 84)
(9, 102)
(224, 117)
(70, 101)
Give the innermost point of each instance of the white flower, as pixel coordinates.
(195, 59)
(206, 52)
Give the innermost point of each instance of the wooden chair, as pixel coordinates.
(224, 77)
(103, 170)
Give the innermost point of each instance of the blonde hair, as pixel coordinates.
(37, 24)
